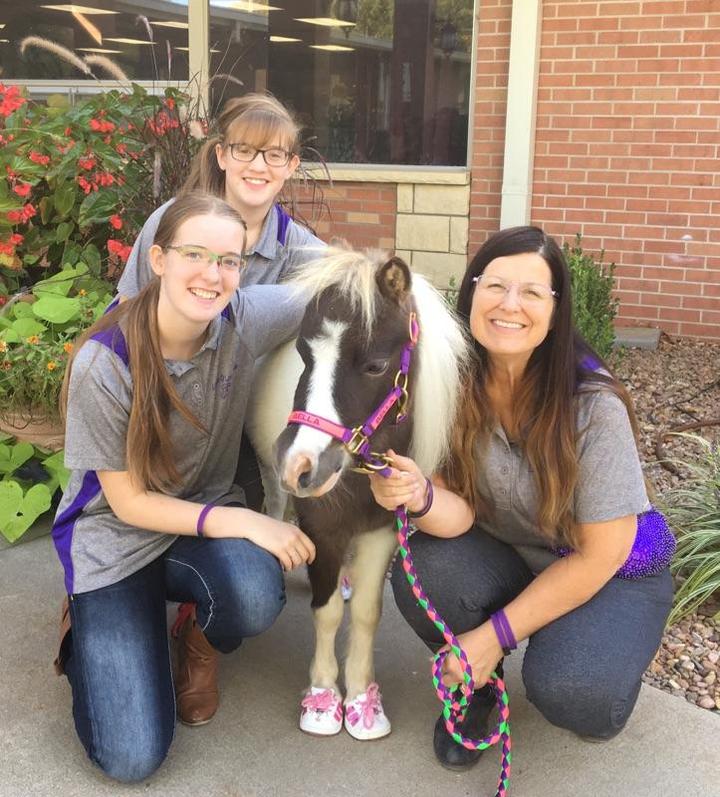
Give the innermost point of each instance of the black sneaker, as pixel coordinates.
(475, 725)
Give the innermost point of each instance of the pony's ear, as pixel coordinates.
(394, 280)
(340, 243)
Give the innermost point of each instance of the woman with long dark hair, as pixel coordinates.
(537, 509)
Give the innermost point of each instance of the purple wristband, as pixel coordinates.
(428, 502)
(503, 631)
(201, 519)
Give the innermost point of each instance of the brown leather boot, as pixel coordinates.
(59, 662)
(196, 677)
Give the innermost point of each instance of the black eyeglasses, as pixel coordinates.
(200, 255)
(273, 156)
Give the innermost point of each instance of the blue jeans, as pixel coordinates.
(582, 671)
(118, 657)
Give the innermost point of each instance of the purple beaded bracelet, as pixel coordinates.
(201, 519)
(428, 501)
(503, 631)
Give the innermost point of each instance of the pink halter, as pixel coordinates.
(357, 440)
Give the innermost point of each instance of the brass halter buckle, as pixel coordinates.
(375, 464)
(357, 441)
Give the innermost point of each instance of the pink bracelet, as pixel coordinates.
(428, 501)
(201, 519)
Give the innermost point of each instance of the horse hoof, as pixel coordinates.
(322, 712)
(365, 718)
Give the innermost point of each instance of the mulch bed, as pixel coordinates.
(678, 385)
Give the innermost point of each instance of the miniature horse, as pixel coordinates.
(350, 342)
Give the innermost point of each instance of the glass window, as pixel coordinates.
(373, 81)
(145, 44)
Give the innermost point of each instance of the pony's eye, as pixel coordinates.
(376, 367)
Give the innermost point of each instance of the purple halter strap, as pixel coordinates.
(357, 440)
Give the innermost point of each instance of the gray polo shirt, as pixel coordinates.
(95, 547)
(610, 481)
(282, 246)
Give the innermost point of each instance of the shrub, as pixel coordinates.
(29, 478)
(77, 182)
(594, 307)
(694, 512)
(36, 335)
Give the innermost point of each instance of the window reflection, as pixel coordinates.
(95, 28)
(374, 81)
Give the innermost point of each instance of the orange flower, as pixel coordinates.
(33, 339)
(67, 347)
(81, 292)
(3, 347)
(52, 365)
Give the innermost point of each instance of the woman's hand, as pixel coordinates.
(405, 485)
(483, 652)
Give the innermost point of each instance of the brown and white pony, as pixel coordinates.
(342, 367)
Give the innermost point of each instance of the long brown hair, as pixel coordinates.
(544, 419)
(149, 449)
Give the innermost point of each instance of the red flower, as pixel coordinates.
(121, 148)
(170, 103)
(38, 157)
(3, 300)
(103, 178)
(68, 132)
(7, 248)
(14, 216)
(28, 212)
(101, 126)
(22, 189)
(10, 100)
(118, 248)
(116, 222)
(86, 163)
(86, 186)
(16, 239)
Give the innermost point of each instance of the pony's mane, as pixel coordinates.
(444, 356)
(351, 273)
(442, 352)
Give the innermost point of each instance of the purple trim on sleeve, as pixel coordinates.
(114, 339)
(64, 525)
(283, 221)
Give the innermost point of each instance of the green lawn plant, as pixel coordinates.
(23, 500)
(693, 510)
(594, 308)
(37, 331)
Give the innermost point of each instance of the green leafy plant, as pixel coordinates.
(77, 182)
(594, 308)
(693, 510)
(37, 333)
(23, 499)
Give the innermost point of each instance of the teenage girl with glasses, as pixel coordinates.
(154, 398)
(248, 161)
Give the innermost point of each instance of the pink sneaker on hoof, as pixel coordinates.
(364, 716)
(322, 712)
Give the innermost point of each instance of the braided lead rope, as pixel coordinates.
(454, 710)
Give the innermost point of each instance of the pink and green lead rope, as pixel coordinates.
(454, 710)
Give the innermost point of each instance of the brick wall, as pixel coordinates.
(488, 115)
(628, 148)
(362, 213)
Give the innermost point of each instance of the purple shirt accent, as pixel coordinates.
(64, 525)
(283, 224)
(114, 339)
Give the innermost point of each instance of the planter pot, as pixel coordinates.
(45, 433)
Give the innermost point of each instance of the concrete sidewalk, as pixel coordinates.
(254, 749)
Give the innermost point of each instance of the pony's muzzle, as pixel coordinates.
(304, 472)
